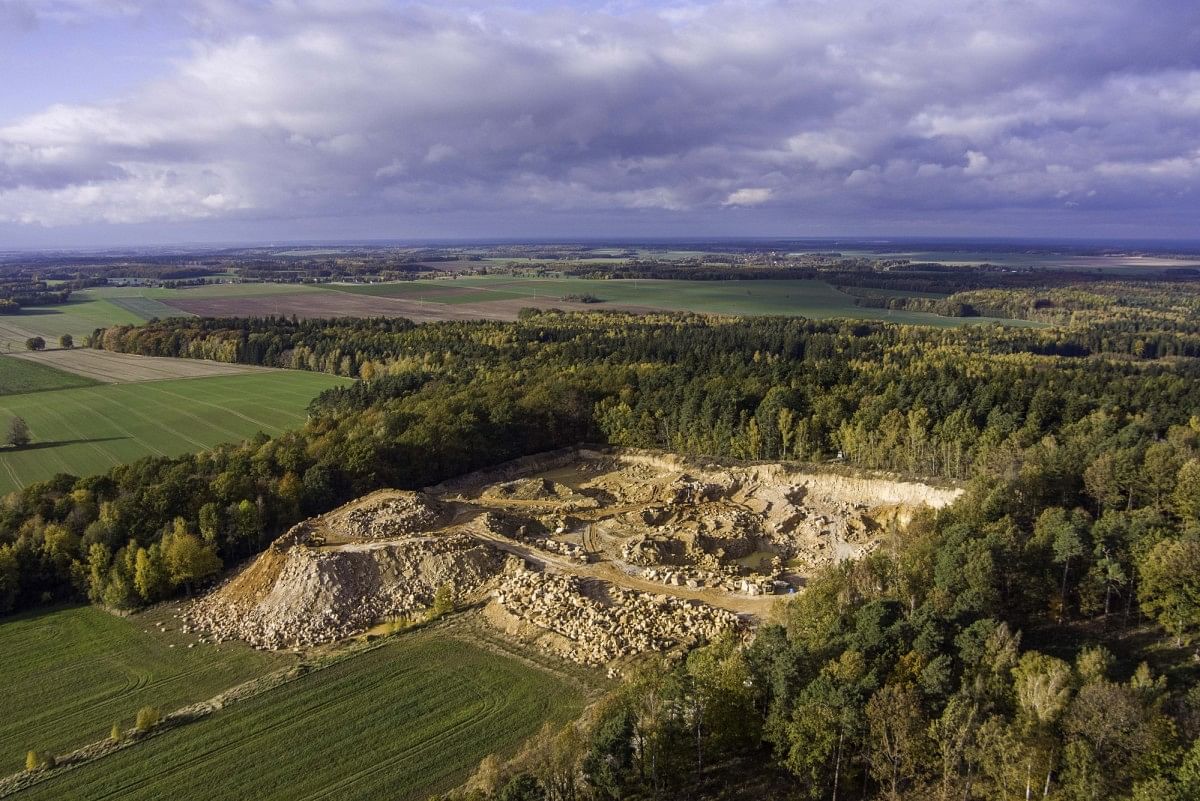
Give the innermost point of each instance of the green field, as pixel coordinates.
(146, 307)
(69, 674)
(90, 429)
(18, 376)
(400, 722)
(100, 307)
(813, 299)
(84, 313)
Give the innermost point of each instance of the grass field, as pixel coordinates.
(408, 719)
(88, 430)
(79, 317)
(18, 376)
(100, 307)
(145, 307)
(69, 674)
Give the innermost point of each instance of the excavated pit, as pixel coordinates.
(596, 555)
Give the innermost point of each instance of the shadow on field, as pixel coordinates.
(33, 446)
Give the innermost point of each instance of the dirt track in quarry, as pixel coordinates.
(754, 607)
(597, 567)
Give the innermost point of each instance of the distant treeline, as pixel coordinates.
(16, 294)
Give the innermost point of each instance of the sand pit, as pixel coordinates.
(596, 555)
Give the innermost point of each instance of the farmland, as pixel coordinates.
(85, 312)
(90, 309)
(411, 717)
(70, 673)
(108, 367)
(473, 297)
(18, 376)
(90, 429)
(501, 297)
(813, 299)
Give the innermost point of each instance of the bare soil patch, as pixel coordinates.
(332, 303)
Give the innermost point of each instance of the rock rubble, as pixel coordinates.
(596, 633)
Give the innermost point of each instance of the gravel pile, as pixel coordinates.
(402, 516)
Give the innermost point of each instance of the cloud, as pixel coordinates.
(747, 197)
(302, 109)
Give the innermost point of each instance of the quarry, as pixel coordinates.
(594, 555)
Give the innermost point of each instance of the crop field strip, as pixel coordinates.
(407, 719)
(70, 673)
(18, 376)
(90, 429)
(108, 367)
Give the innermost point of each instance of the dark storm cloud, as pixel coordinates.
(844, 110)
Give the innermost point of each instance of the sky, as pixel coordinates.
(125, 123)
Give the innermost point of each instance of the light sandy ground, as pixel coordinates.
(754, 607)
(123, 368)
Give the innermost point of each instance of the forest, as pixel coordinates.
(1034, 637)
(15, 294)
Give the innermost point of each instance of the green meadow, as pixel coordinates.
(90, 429)
(407, 719)
(70, 673)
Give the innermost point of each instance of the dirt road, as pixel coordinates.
(757, 607)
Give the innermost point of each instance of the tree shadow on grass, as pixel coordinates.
(34, 446)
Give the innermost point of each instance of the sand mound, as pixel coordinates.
(529, 489)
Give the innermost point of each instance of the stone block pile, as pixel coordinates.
(633, 623)
(403, 516)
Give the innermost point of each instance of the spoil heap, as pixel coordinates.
(538, 491)
(398, 514)
(299, 595)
